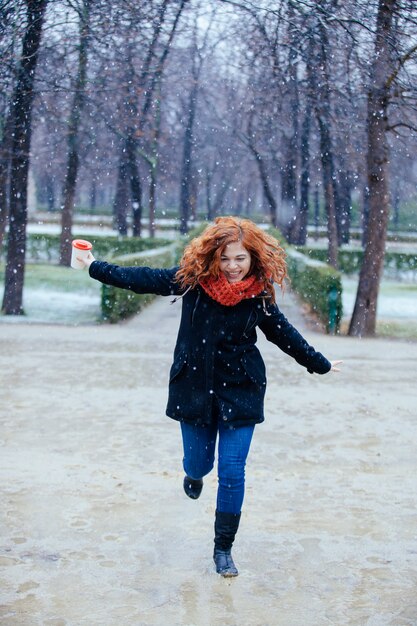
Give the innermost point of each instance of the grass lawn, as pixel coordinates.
(397, 308)
(55, 294)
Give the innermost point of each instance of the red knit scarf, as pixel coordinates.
(230, 294)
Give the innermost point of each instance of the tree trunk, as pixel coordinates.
(186, 171)
(396, 205)
(345, 198)
(135, 185)
(363, 322)
(328, 189)
(288, 172)
(215, 193)
(20, 154)
(291, 143)
(50, 192)
(93, 195)
(299, 228)
(266, 188)
(209, 209)
(316, 212)
(224, 187)
(153, 161)
(5, 150)
(73, 137)
(122, 197)
(152, 202)
(365, 215)
(4, 208)
(317, 67)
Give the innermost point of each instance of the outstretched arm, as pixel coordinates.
(138, 279)
(279, 331)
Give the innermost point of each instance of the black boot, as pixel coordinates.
(192, 487)
(225, 529)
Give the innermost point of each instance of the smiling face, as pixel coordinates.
(235, 262)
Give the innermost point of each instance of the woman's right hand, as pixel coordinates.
(86, 260)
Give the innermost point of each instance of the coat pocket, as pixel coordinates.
(254, 368)
(178, 365)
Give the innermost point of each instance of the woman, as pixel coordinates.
(217, 380)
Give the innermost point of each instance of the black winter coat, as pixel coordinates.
(216, 362)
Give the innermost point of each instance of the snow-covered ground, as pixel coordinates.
(396, 299)
(49, 306)
(96, 529)
(64, 296)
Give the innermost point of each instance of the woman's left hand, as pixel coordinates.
(334, 365)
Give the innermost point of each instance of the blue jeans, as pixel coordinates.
(199, 447)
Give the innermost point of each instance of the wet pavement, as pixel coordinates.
(95, 528)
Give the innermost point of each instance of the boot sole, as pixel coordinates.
(228, 574)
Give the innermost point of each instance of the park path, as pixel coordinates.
(95, 529)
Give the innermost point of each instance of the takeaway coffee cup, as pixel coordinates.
(80, 249)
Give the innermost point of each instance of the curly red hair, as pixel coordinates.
(201, 258)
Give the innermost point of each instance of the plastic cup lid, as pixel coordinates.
(82, 244)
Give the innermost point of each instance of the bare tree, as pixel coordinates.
(319, 79)
(291, 137)
(263, 173)
(10, 39)
(73, 137)
(138, 98)
(385, 69)
(187, 184)
(22, 127)
(298, 233)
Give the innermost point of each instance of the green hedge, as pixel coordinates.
(316, 283)
(319, 285)
(45, 247)
(118, 304)
(405, 236)
(350, 260)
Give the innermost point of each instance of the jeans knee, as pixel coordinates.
(231, 478)
(196, 468)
